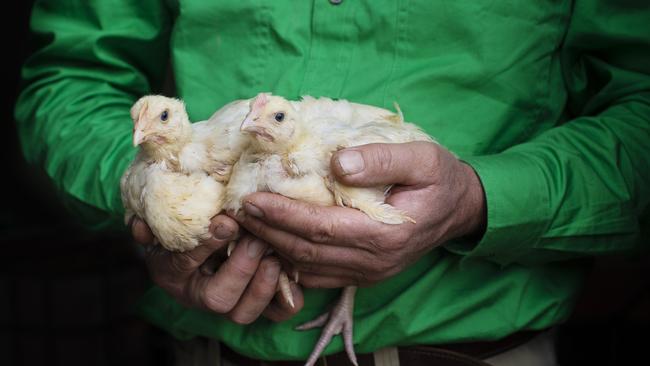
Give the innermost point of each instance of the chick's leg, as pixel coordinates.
(336, 321)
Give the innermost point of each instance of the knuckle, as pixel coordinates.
(323, 232)
(308, 253)
(382, 159)
(216, 302)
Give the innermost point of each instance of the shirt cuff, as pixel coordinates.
(517, 201)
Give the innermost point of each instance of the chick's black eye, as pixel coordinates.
(164, 116)
(279, 117)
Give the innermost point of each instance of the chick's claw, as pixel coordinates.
(337, 321)
(231, 247)
(285, 288)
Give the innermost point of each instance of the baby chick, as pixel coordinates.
(176, 182)
(292, 144)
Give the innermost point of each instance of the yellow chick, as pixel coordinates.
(176, 182)
(292, 144)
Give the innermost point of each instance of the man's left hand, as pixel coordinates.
(339, 246)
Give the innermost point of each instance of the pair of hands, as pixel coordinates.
(330, 246)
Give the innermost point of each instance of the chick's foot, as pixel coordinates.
(336, 321)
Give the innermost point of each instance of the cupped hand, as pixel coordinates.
(338, 246)
(241, 287)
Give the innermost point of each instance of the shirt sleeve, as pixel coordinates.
(93, 60)
(582, 187)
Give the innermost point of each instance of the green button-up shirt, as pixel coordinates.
(548, 100)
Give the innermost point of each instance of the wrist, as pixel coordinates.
(473, 208)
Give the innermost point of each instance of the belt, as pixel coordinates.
(454, 354)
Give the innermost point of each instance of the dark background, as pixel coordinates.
(67, 295)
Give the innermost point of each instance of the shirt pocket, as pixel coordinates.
(486, 67)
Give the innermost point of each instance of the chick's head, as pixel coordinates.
(158, 121)
(272, 121)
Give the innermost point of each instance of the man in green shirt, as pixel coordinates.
(548, 102)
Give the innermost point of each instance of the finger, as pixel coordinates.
(299, 250)
(353, 274)
(141, 232)
(188, 262)
(279, 310)
(224, 230)
(373, 165)
(319, 224)
(221, 292)
(316, 281)
(258, 294)
(173, 270)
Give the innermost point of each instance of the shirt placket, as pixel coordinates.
(333, 34)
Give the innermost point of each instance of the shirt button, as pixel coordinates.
(335, 2)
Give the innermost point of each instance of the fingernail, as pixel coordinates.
(222, 232)
(253, 210)
(255, 248)
(351, 162)
(272, 272)
(238, 215)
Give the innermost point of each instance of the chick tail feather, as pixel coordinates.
(368, 204)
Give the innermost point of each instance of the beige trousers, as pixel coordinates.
(539, 351)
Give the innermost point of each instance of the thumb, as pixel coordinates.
(370, 165)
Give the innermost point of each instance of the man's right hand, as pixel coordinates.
(241, 288)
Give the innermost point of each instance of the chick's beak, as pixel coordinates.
(249, 124)
(139, 136)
